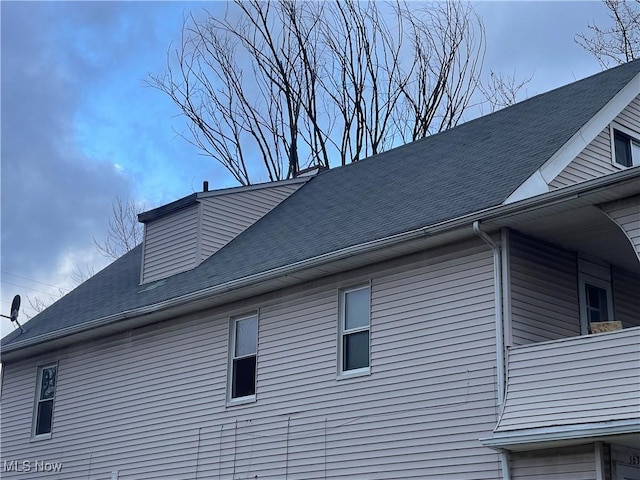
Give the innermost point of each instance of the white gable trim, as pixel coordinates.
(538, 183)
(532, 186)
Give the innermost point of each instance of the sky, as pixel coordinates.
(80, 125)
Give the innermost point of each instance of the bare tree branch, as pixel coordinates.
(619, 43)
(502, 91)
(295, 84)
(124, 232)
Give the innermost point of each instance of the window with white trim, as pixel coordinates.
(596, 301)
(45, 395)
(244, 353)
(626, 149)
(355, 313)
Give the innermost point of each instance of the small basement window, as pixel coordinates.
(626, 149)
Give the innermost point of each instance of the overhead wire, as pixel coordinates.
(4, 272)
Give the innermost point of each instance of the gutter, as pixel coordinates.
(489, 213)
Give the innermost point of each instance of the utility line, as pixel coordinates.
(29, 279)
(27, 288)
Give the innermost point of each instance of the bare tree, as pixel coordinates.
(39, 303)
(124, 232)
(502, 90)
(619, 43)
(296, 84)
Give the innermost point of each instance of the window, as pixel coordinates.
(354, 329)
(626, 148)
(45, 393)
(596, 300)
(596, 303)
(244, 342)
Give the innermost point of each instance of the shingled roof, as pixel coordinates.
(469, 168)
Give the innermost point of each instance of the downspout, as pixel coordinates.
(500, 367)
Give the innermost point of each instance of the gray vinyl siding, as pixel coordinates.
(568, 463)
(626, 213)
(170, 244)
(596, 159)
(181, 240)
(573, 381)
(626, 294)
(151, 402)
(544, 291)
(226, 216)
(630, 116)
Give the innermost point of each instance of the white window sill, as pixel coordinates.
(360, 372)
(241, 401)
(38, 438)
(619, 166)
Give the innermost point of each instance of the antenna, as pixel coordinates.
(15, 308)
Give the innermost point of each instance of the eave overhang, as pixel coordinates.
(599, 190)
(535, 438)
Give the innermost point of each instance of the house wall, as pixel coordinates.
(626, 213)
(170, 244)
(151, 402)
(596, 159)
(626, 289)
(224, 217)
(569, 463)
(573, 381)
(544, 291)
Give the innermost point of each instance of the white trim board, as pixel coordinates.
(538, 182)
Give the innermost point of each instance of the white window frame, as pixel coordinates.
(585, 279)
(635, 139)
(232, 356)
(36, 401)
(342, 332)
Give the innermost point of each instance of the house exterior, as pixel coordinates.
(466, 306)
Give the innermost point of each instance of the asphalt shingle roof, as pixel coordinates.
(474, 166)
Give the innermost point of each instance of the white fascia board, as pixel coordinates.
(254, 186)
(501, 440)
(576, 144)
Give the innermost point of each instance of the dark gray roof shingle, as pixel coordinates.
(474, 166)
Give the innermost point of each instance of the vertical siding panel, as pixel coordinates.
(596, 159)
(151, 402)
(568, 463)
(544, 291)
